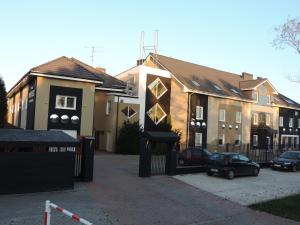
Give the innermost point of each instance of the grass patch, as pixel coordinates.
(288, 207)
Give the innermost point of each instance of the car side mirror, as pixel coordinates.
(250, 160)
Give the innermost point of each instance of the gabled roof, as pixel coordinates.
(251, 84)
(71, 68)
(284, 101)
(209, 81)
(109, 81)
(66, 67)
(204, 79)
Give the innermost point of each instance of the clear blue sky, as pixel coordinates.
(234, 36)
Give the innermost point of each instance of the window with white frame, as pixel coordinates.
(222, 115)
(255, 118)
(65, 102)
(108, 108)
(238, 140)
(157, 88)
(255, 140)
(281, 121)
(156, 114)
(268, 119)
(198, 139)
(268, 99)
(255, 95)
(291, 121)
(199, 112)
(238, 117)
(128, 112)
(222, 139)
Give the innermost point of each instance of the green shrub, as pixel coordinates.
(128, 138)
(3, 103)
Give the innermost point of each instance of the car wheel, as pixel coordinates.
(209, 173)
(181, 162)
(255, 172)
(294, 168)
(230, 174)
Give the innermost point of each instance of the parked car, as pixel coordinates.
(231, 165)
(194, 156)
(289, 160)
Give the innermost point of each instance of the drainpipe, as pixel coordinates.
(117, 120)
(188, 120)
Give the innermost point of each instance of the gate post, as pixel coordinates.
(171, 156)
(145, 158)
(87, 169)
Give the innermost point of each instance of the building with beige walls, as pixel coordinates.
(67, 94)
(213, 109)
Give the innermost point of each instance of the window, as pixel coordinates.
(238, 140)
(298, 123)
(222, 115)
(238, 117)
(195, 83)
(296, 113)
(108, 108)
(222, 139)
(268, 99)
(243, 158)
(65, 102)
(255, 119)
(268, 119)
(198, 139)
(234, 91)
(217, 87)
(255, 140)
(157, 88)
(199, 112)
(281, 121)
(156, 114)
(128, 112)
(291, 121)
(255, 96)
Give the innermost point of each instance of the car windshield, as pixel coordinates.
(217, 156)
(290, 155)
(207, 152)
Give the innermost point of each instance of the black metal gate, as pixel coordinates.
(84, 159)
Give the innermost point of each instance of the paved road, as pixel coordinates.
(163, 200)
(119, 197)
(248, 190)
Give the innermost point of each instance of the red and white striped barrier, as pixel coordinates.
(50, 205)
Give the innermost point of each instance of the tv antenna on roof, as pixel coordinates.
(93, 52)
(146, 49)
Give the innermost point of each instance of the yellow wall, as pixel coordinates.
(106, 124)
(42, 103)
(214, 126)
(179, 109)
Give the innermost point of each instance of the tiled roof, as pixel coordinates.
(71, 67)
(251, 84)
(284, 101)
(216, 82)
(204, 79)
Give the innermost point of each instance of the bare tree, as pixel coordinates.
(288, 35)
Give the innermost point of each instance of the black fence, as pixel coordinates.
(35, 169)
(23, 172)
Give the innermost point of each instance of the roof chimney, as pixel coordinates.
(101, 69)
(140, 62)
(247, 76)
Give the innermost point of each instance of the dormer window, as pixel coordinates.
(268, 99)
(255, 96)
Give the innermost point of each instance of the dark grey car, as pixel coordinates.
(289, 160)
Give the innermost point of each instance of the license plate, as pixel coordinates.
(214, 170)
(276, 165)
